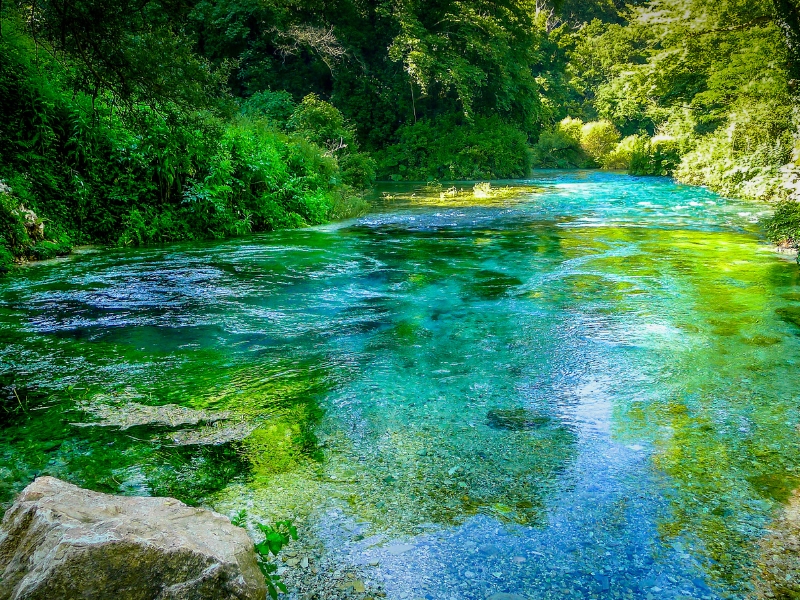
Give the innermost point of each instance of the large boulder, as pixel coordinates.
(60, 541)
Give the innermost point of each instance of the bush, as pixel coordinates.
(560, 147)
(657, 156)
(620, 157)
(783, 227)
(762, 171)
(277, 107)
(22, 233)
(451, 148)
(599, 139)
(322, 124)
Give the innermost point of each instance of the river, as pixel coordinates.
(584, 388)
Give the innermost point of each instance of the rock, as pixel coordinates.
(397, 549)
(33, 224)
(778, 567)
(60, 541)
(505, 596)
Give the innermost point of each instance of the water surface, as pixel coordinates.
(584, 390)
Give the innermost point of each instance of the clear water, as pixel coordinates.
(584, 390)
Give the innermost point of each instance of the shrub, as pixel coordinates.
(451, 148)
(783, 227)
(657, 156)
(599, 139)
(151, 174)
(763, 172)
(560, 147)
(620, 157)
(322, 124)
(277, 107)
(571, 129)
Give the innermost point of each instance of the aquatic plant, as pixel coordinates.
(275, 538)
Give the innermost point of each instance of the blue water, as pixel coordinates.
(584, 388)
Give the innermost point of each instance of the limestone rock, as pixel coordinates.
(60, 541)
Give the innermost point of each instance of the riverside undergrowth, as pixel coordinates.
(79, 168)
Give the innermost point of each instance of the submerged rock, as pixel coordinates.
(778, 569)
(133, 414)
(60, 541)
(515, 419)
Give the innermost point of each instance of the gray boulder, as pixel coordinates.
(60, 541)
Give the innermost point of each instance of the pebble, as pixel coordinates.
(469, 574)
(304, 562)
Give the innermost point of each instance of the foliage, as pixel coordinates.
(451, 148)
(277, 107)
(621, 156)
(783, 227)
(573, 144)
(202, 119)
(324, 125)
(599, 139)
(276, 536)
(704, 85)
(659, 155)
(155, 172)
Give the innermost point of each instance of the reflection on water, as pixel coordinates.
(584, 389)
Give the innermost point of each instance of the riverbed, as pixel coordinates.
(585, 386)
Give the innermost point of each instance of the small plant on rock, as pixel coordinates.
(275, 538)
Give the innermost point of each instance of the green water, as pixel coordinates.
(586, 389)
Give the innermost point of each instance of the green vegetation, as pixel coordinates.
(275, 538)
(132, 166)
(196, 120)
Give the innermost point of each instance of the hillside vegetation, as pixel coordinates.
(160, 120)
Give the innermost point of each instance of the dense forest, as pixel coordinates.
(162, 120)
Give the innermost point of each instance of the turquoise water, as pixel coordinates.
(582, 388)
